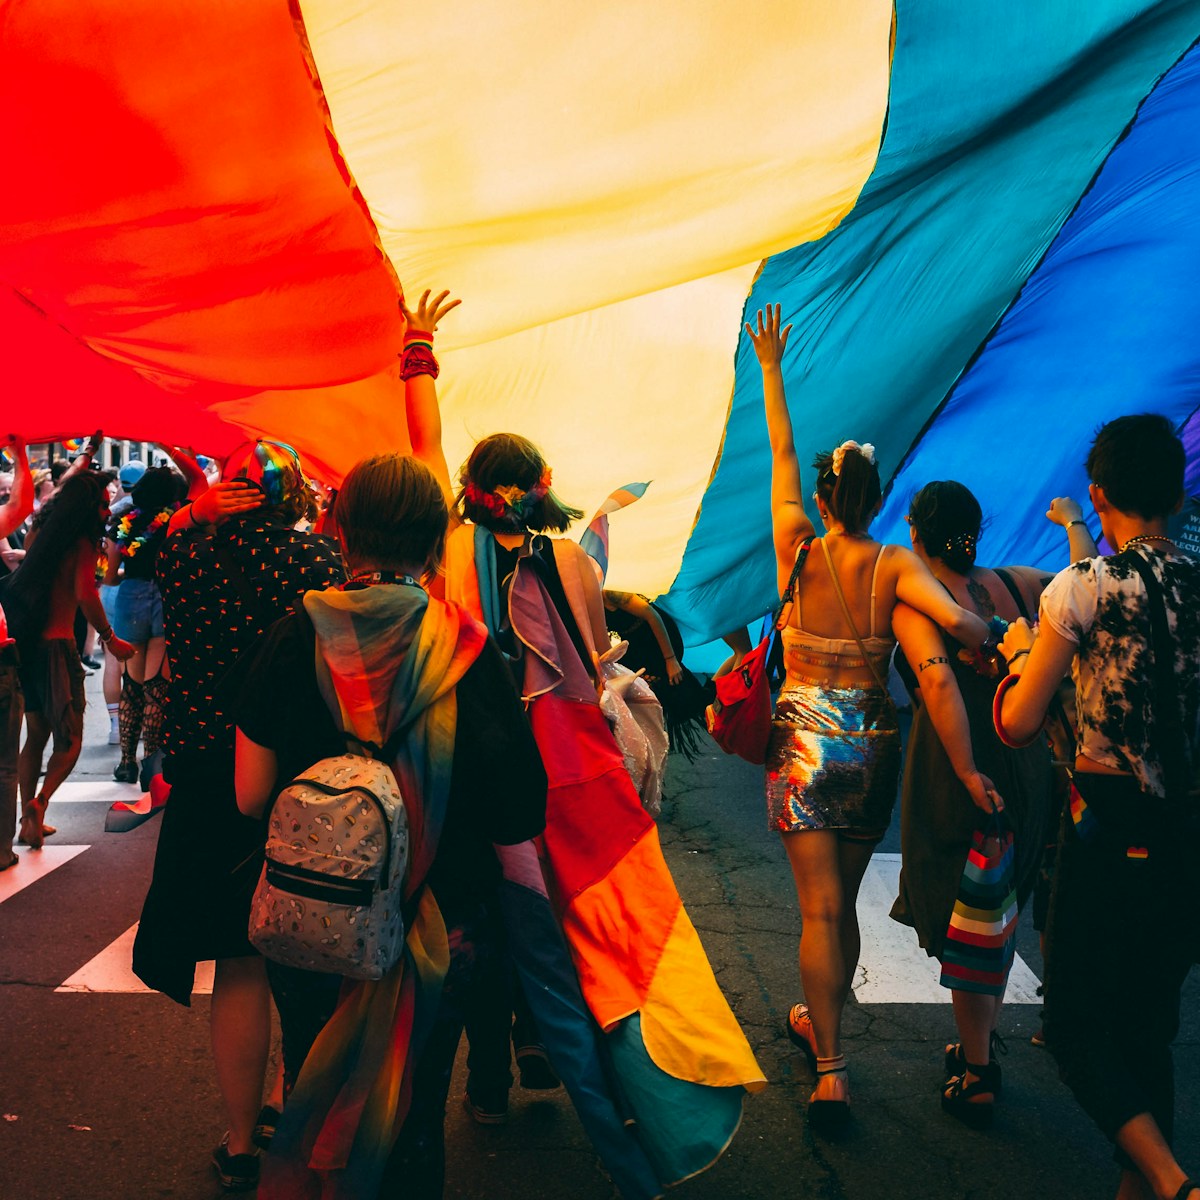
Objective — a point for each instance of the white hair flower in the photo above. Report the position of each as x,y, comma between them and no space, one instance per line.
866,450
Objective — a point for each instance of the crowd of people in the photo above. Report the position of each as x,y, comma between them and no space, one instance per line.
256,626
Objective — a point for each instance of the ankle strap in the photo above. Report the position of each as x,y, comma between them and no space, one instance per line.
830,1066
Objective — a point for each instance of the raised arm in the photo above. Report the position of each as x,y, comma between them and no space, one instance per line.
191,470
224,499
916,587
20,500
640,607
418,370
83,460
789,522
921,641
1066,512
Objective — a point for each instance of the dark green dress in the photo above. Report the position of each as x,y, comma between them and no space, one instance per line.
938,818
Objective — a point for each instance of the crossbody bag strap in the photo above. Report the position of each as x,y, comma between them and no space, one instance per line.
1173,739
1058,712
788,599
837,587
1014,591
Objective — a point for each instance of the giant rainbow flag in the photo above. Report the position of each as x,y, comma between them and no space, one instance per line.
981,220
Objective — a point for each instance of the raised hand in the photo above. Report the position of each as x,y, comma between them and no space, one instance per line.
1063,510
769,340
428,314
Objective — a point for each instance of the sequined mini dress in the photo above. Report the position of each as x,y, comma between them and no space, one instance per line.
833,759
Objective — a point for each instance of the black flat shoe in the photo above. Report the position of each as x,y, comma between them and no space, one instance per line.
126,772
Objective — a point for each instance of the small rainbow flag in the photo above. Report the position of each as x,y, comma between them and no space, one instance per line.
595,536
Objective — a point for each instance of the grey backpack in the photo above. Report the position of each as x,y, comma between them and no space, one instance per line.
330,896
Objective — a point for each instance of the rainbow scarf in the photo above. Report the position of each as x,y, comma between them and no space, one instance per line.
354,1091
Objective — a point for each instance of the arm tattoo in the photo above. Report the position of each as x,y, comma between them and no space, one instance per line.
930,662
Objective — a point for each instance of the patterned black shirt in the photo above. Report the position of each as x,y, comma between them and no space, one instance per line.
1100,604
210,620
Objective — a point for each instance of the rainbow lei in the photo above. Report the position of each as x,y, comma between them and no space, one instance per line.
127,543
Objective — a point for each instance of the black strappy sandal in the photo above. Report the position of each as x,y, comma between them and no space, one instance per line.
958,1096
956,1060
1185,1188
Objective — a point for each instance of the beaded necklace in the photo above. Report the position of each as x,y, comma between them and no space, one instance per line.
1140,538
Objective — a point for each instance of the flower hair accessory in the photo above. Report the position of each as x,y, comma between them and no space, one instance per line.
964,542
508,500
866,450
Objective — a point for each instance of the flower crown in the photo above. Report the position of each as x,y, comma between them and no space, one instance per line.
866,450
509,501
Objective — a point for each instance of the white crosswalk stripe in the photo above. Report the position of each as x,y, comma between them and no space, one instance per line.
90,791
34,865
892,968
111,971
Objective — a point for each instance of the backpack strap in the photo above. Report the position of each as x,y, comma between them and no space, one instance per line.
1173,740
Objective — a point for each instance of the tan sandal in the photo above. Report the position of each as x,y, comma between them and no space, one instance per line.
799,1028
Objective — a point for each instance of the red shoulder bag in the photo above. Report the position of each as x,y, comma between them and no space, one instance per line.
739,720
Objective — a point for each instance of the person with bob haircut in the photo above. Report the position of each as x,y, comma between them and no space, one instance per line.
1127,625
541,600
955,768
833,757
353,665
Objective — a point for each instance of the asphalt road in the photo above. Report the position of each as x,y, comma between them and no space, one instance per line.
110,1095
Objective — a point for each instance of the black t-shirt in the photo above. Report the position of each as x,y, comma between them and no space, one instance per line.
497,785
210,621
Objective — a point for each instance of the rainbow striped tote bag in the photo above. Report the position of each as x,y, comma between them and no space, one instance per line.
982,936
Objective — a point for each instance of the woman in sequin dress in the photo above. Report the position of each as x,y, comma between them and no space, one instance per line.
834,755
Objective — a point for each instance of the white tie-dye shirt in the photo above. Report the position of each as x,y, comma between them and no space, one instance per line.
1100,604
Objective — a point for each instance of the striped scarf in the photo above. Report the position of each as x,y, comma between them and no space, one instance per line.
386,657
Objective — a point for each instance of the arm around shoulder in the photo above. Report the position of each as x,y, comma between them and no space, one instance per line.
916,586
